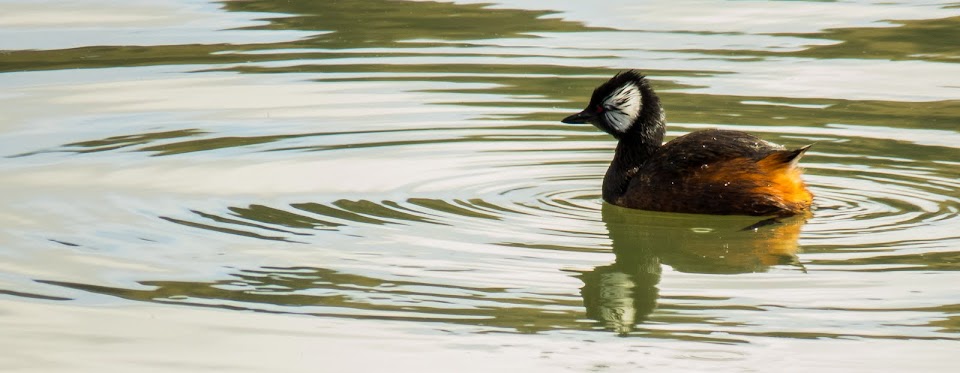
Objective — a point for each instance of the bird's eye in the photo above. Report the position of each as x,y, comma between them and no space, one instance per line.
599,108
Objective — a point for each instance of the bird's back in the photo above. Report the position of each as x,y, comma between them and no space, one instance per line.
719,172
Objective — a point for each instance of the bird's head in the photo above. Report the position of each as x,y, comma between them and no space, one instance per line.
620,105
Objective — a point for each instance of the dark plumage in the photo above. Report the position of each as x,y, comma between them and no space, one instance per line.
706,172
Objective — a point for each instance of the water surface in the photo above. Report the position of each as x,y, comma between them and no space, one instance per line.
386,185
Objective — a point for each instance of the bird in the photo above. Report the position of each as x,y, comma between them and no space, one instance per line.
710,171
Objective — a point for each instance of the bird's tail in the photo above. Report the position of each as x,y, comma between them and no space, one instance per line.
790,158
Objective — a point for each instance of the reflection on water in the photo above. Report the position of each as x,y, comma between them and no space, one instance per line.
623,293
334,26
402,163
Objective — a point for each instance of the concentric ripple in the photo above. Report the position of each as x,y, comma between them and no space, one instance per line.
861,200
884,207
496,194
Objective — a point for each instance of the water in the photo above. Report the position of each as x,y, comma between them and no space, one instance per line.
282,185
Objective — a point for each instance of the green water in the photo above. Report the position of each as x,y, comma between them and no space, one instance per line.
385,185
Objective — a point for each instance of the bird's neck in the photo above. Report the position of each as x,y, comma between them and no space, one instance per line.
633,149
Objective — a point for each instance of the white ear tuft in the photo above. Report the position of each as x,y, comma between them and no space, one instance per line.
622,107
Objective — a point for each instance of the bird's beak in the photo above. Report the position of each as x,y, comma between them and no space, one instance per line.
578,118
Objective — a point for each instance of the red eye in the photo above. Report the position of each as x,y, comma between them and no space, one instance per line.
599,109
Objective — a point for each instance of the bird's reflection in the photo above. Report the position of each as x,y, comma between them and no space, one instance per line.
622,294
